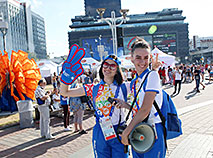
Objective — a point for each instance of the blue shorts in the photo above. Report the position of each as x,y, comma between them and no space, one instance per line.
158,150
54,85
106,149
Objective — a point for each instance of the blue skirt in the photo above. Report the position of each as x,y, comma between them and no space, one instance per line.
106,149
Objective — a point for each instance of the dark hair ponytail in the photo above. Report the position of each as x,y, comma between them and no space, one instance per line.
139,43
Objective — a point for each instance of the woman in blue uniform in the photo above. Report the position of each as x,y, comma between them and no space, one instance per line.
105,142
143,106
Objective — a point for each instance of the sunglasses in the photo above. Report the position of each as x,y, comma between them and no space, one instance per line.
110,66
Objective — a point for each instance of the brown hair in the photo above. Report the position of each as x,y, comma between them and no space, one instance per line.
139,43
118,76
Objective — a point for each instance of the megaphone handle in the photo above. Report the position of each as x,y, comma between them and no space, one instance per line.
125,148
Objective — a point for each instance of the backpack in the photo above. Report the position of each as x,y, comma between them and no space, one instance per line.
169,117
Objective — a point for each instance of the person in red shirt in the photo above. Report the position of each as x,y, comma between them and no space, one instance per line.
160,72
163,71
206,67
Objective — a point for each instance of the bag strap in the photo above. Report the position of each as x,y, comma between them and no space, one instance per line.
163,120
94,95
124,91
127,117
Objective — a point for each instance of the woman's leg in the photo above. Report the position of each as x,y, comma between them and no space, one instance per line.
65,115
68,115
80,118
117,149
175,87
179,86
197,85
101,148
75,121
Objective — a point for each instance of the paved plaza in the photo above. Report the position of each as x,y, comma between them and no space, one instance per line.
194,109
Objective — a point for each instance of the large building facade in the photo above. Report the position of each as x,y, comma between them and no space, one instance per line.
21,34
92,5
39,38
201,49
171,35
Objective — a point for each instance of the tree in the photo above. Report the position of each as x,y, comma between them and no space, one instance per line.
32,55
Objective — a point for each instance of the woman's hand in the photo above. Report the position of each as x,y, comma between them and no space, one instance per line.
121,104
155,63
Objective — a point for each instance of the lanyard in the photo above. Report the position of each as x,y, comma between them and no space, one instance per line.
136,102
98,112
116,95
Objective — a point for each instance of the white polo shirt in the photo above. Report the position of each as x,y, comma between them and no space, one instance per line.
151,84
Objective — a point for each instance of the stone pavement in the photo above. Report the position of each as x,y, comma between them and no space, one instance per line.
26,143
195,110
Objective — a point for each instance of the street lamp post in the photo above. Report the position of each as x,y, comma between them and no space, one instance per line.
3,29
101,49
113,23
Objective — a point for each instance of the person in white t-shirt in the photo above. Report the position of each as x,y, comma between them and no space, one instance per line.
56,99
177,74
143,109
125,75
129,75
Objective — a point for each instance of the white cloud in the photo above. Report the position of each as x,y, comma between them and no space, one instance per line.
57,48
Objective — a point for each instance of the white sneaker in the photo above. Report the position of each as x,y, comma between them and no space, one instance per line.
67,129
70,126
50,137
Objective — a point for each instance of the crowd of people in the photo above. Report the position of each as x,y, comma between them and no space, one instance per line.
185,74
51,101
111,83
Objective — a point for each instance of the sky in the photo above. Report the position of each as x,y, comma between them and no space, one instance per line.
58,14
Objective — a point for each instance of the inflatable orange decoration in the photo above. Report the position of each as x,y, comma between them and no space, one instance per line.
20,73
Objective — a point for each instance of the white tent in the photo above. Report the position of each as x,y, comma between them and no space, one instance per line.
126,62
167,60
91,61
47,67
87,63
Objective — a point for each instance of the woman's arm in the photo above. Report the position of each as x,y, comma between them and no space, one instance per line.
140,116
75,92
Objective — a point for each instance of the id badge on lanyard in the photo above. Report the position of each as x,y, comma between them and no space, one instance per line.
107,128
106,123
